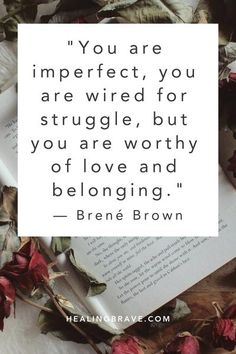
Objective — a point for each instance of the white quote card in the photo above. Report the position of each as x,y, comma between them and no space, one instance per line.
118,130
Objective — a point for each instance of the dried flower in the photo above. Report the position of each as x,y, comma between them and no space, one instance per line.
28,268
183,343
128,345
232,76
7,297
230,312
224,333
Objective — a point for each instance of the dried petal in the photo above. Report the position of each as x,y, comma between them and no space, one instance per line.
224,334
183,343
7,297
28,268
128,345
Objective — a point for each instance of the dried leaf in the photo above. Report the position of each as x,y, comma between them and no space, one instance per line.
62,17
60,244
151,11
18,11
9,202
116,5
64,303
2,33
224,36
108,20
10,28
227,55
70,11
57,326
6,256
9,242
36,294
230,52
8,65
93,286
203,13
181,310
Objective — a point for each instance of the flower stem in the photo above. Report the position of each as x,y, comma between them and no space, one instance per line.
63,313
32,303
217,308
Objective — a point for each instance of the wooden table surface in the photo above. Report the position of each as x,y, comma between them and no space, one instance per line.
220,286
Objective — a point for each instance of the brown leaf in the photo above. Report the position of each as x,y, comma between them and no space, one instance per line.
92,285
227,56
203,13
9,242
8,209
150,11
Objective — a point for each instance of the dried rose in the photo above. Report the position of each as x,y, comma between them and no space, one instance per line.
128,345
28,268
7,297
230,312
183,343
232,76
224,333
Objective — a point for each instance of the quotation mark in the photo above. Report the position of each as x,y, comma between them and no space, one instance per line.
179,185
70,42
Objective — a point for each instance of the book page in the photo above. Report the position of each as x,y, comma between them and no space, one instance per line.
8,137
154,269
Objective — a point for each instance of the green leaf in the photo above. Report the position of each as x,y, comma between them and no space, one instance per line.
56,325
60,244
151,11
92,285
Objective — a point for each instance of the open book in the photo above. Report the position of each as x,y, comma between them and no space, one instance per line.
143,274
8,137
